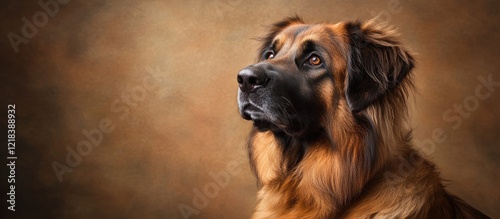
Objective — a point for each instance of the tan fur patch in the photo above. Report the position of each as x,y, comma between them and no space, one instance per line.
267,157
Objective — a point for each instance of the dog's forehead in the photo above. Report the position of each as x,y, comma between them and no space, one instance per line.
292,31
297,33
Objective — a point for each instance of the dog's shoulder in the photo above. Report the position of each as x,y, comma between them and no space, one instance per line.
410,187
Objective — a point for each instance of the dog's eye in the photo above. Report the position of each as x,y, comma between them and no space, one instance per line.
269,55
314,60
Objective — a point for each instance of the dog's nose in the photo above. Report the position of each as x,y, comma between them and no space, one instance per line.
250,80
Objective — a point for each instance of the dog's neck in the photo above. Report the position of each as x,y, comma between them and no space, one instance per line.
341,159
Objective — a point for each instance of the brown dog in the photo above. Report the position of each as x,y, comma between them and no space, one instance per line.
330,137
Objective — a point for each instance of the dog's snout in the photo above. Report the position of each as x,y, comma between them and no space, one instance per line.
250,80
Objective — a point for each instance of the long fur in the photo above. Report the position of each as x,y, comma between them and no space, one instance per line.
360,163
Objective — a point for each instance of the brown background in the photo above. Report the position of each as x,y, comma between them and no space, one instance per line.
67,78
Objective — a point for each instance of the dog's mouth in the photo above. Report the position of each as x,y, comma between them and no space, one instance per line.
259,118
262,125
264,121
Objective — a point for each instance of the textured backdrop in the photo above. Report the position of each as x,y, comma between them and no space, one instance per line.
127,109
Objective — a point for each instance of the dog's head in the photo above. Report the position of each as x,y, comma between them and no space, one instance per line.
305,73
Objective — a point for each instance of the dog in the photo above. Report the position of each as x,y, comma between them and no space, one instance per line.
331,135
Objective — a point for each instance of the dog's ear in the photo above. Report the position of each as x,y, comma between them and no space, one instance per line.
274,30
376,64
